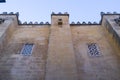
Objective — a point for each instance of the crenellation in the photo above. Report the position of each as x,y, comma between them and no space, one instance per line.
95,23
109,13
65,12
59,13
47,23
30,22
78,22
72,22
11,13
89,22
4,13
35,22
17,13
84,22
115,13
25,22
53,13
41,23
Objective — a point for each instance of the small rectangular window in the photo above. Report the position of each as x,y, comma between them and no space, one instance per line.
60,22
27,49
93,49
59,19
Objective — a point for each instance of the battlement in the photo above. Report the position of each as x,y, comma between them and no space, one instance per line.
35,23
84,23
109,13
59,14
11,13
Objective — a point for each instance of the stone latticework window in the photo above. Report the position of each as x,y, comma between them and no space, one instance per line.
93,49
117,20
2,20
27,49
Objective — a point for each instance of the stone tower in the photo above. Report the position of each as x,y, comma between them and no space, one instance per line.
61,59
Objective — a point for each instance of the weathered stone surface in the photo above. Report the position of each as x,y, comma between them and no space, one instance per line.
15,66
60,52
95,68
61,59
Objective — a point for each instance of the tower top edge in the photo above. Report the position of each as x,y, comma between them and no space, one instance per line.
10,13
59,14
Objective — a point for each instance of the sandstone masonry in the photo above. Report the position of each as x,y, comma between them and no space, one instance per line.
61,49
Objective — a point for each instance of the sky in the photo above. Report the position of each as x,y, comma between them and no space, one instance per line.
79,10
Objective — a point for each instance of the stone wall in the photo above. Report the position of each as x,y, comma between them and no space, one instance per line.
60,52
112,28
95,67
6,29
16,66
61,59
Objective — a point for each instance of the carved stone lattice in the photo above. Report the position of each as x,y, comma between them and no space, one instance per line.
117,20
27,49
93,49
2,20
